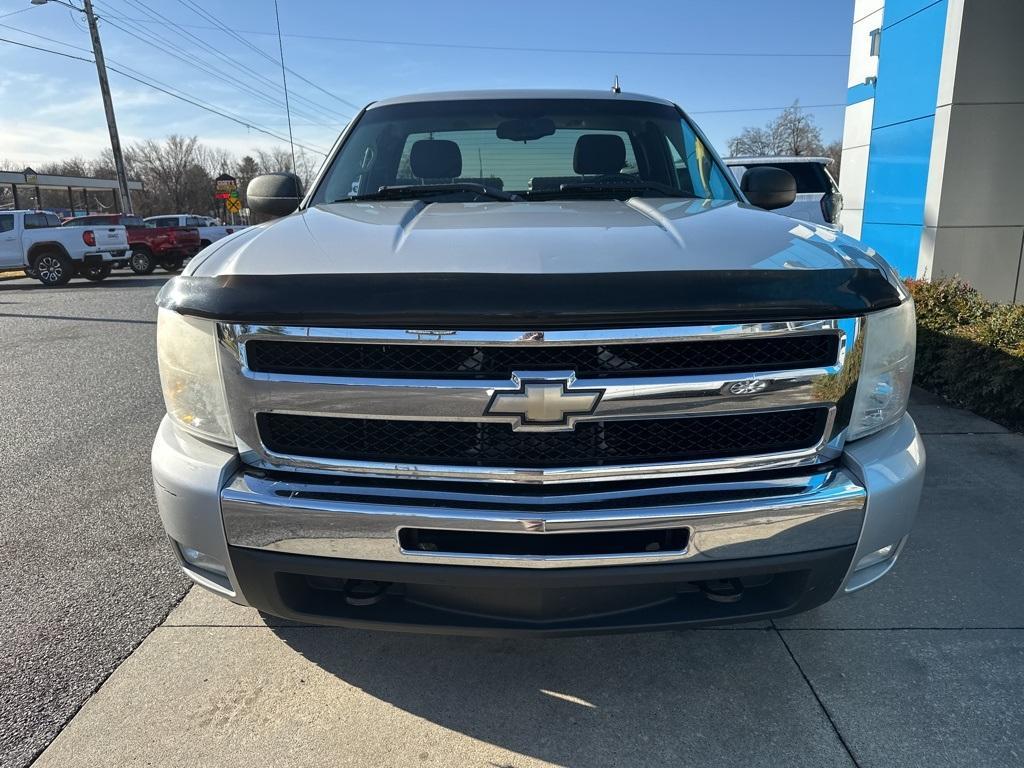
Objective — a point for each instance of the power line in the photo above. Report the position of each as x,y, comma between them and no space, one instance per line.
230,60
216,112
256,49
522,49
14,13
148,78
143,81
163,46
734,110
172,48
46,50
762,109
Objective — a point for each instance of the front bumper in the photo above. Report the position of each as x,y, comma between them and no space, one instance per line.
293,545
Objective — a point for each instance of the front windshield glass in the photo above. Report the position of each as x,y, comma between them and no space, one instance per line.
523,149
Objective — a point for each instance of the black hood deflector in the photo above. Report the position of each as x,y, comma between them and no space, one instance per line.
531,301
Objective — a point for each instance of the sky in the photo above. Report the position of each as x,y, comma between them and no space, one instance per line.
344,54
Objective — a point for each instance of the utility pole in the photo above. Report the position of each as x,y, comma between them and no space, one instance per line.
108,107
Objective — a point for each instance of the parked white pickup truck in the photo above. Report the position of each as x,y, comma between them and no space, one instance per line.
36,242
210,230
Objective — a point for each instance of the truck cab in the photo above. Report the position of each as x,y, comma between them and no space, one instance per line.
533,362
36,242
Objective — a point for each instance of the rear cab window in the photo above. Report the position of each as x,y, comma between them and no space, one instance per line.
41,220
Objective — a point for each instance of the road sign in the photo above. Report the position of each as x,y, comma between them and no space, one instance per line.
234,205
221,195
225,183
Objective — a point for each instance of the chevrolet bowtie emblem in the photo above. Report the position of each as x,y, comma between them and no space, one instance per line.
543,405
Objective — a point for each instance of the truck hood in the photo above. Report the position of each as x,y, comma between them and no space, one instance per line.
532,265
563,237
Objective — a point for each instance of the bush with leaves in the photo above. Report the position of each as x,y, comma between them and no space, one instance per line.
970,351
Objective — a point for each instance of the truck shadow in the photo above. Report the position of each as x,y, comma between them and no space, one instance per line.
680,697
114,281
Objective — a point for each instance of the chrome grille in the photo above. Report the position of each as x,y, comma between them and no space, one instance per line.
597,443
772,353
417,404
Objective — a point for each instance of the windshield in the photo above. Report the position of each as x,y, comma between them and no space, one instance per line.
523,149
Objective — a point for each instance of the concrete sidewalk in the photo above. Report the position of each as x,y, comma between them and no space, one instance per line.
924,668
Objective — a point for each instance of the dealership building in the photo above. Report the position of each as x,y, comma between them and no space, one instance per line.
933,144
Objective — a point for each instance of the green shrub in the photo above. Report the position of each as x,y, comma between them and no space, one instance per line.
970,351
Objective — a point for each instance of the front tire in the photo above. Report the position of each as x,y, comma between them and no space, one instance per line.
53,268
142,262
97,272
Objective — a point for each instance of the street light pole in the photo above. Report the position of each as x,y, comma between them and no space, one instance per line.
108,107
108,104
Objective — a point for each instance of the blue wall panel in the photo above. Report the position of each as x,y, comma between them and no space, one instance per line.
898,172
901,133
897,10
898,244
908,65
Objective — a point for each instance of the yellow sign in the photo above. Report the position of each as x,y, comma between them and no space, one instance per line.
234,205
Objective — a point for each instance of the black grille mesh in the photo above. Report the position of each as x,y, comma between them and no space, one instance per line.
496,445
588,361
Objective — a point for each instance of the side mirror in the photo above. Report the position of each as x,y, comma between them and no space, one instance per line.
274,194
768,187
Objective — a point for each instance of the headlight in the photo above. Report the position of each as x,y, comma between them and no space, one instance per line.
887,370
190,375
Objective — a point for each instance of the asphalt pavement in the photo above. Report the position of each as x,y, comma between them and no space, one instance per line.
84,570
924,668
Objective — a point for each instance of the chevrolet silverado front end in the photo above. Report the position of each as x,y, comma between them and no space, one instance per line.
589,388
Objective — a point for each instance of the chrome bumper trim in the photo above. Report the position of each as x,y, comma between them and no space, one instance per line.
309,517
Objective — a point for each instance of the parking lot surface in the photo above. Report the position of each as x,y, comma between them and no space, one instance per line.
84,572
925,668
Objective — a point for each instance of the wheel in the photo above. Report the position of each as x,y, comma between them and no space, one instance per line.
53,268
142,262
173,265
96,272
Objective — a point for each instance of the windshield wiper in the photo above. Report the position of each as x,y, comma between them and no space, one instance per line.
414,191
631,188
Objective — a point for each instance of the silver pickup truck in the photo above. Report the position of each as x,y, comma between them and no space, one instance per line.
533,362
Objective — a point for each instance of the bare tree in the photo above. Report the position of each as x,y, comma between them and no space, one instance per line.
215,160
245,171
75,166
834,150
177,173
175,178
752,142
279,160
791,133
795,133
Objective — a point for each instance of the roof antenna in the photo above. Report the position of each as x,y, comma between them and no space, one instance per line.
616,88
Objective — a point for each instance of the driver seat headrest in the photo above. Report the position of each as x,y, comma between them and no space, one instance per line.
601,153
435,159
